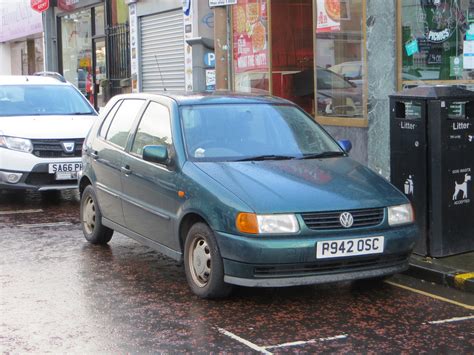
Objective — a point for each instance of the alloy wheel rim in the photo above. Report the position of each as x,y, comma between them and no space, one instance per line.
200,262
89,215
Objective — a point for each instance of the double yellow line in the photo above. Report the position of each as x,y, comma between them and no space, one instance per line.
432,295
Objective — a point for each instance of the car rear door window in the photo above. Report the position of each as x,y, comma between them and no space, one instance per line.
106,124
154,128
123,121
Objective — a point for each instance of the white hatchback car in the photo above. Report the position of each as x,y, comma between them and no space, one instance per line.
43,123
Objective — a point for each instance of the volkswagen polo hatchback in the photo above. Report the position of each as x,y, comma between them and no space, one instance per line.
245,190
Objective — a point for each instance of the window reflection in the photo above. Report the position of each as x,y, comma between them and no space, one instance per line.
340,58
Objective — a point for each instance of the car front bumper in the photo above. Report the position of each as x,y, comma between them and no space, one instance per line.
291,261
37,179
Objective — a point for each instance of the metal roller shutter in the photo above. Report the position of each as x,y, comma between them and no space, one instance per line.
162,49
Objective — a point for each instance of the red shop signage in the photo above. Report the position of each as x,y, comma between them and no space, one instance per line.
39,5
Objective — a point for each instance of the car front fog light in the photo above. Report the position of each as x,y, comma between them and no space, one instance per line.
401,214
9,177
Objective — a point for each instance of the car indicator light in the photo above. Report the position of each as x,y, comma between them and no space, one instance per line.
247,223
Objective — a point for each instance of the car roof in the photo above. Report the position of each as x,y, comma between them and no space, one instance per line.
208,98
29,80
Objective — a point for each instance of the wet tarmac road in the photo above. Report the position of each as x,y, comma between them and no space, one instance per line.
60,294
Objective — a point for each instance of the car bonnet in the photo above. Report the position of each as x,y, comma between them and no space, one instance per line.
304,185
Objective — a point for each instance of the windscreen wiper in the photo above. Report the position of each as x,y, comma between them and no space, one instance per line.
328,154
267,157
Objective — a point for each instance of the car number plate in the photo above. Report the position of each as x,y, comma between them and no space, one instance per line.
65,171
349,247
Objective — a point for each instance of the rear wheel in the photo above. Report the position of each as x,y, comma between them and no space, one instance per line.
203,263
91,219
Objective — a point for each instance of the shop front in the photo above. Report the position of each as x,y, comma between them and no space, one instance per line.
21,39
340,59
94,47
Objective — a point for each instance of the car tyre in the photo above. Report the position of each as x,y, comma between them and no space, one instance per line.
203,263
91,219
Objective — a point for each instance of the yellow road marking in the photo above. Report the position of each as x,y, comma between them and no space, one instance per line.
431,295
460,279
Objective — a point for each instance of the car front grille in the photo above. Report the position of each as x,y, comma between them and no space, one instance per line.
52,148
330,220
289,270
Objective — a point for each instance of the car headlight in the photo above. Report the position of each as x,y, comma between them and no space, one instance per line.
267,223
401,214
13,143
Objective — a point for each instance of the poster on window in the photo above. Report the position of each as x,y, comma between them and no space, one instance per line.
250,35
328,16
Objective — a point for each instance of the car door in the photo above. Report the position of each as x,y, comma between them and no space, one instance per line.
107,154
150,193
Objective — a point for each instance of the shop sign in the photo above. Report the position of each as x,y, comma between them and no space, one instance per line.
250,36
328,16
210,59
470,32
70,5
213,3
455,66
39,5
412,47
439,36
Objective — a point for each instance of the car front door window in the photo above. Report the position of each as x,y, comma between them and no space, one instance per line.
154,128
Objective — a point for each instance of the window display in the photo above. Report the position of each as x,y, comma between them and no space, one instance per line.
437,40
250,46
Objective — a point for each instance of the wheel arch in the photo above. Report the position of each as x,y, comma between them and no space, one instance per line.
83,183
188,220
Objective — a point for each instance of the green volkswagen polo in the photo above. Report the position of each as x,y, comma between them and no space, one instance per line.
244,190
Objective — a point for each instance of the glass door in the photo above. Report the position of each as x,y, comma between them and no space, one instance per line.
101,84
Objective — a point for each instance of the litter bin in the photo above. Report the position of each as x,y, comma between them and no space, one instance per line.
432,162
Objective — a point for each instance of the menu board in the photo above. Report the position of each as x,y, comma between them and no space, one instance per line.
250,35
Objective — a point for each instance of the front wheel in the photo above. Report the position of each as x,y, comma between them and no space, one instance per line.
203,263
91,219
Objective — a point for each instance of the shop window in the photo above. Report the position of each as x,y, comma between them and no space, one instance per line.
119,12
251,59
340,73
436,42
76,44
99,20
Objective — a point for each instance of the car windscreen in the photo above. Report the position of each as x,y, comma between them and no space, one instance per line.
232,132
39,100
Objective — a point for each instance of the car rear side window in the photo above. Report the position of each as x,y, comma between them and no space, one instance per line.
106,124
154,128
123,121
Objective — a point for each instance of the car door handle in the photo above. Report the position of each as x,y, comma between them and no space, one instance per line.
94,154
126,170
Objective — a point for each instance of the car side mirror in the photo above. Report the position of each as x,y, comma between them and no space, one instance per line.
155,154
345,144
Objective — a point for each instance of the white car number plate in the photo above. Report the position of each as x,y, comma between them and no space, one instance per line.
65,171
349,247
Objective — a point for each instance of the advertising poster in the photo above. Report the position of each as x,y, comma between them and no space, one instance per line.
328,16
250,36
